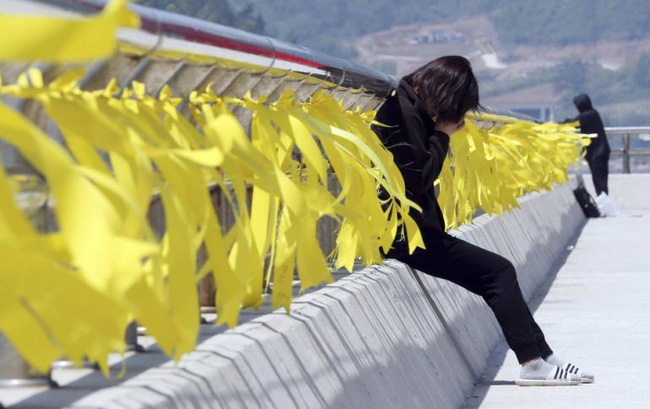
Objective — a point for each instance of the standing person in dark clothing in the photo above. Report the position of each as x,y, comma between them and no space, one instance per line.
427,108
598,151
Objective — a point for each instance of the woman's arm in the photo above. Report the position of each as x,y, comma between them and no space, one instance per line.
418,155
569,120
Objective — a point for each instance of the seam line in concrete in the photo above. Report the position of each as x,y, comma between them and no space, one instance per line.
443,321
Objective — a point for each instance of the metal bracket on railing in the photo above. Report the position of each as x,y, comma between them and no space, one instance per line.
275,55
157,32
345,67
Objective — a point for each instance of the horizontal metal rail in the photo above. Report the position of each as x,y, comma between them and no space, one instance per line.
208,39
189,39
626,153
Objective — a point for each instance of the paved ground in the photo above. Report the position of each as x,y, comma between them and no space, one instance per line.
597,314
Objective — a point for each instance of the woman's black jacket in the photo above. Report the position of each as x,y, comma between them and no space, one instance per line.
418,150
591,123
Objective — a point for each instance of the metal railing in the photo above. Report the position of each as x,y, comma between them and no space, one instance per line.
626,152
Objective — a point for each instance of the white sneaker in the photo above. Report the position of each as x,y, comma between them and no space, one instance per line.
606,206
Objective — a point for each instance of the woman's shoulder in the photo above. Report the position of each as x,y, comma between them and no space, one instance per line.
390,106
397,109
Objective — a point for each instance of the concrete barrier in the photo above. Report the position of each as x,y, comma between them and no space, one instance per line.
383,337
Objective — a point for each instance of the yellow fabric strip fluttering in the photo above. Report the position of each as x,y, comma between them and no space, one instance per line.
292,152
72,291
63,39
276,182
119,151
490,167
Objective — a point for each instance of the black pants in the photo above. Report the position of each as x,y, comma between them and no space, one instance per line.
599,171
487,275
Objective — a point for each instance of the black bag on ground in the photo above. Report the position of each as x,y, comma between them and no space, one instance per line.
586,202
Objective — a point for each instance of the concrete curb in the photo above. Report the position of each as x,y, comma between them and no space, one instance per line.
373,339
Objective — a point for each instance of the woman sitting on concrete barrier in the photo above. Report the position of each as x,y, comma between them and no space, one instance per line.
426,109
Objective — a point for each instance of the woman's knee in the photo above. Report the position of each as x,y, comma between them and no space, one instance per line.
505,276
500,283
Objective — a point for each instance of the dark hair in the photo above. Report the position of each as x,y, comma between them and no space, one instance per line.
447,86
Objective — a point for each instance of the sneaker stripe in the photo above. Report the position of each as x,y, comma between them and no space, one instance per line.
557,370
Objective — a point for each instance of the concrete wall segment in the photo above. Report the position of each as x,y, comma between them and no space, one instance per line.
373,339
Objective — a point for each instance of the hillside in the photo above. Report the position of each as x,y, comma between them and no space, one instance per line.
544,52
216,11
329,26
615,73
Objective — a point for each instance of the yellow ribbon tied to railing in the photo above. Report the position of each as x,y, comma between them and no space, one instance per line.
65,38
107,248
489,167
72,291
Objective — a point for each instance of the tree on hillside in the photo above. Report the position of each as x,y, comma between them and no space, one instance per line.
642,71
570,77
561,22
216,11
330,26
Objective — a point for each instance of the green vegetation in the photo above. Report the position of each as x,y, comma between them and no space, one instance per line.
561,22
328,26
216,11
604,86
323,26
331,26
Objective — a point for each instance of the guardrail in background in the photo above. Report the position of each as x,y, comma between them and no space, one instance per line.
626,153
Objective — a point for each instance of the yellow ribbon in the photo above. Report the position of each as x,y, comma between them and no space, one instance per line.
59,39
73,291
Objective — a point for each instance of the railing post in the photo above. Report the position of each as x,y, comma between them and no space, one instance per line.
131,338
15,372
626,153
